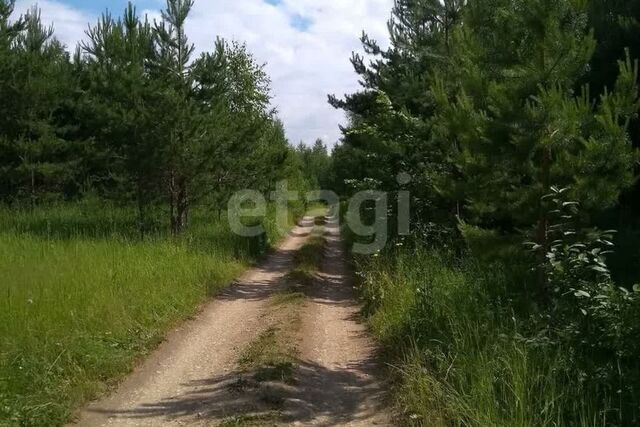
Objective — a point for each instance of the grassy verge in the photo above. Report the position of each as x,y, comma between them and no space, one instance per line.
461,358
84,297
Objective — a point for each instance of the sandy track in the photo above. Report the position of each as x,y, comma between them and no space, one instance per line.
182,382
192,378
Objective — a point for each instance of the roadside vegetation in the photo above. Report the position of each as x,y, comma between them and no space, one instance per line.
512,301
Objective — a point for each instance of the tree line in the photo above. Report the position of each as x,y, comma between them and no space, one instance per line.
134,115
518,123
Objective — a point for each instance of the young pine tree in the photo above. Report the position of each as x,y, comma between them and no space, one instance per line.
515,125
390,120
9,31
120,108
37,162
182,144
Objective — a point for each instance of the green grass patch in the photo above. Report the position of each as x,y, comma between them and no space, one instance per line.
461,358
294,295
269,350
256,420
309,257
318,211
84,297
272,356
307,262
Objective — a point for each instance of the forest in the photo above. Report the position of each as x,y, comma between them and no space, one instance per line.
514,298
134,117
514,301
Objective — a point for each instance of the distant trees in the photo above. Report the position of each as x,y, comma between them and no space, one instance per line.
134,116
316,164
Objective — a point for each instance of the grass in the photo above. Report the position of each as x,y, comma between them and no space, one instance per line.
307,260
84,298
461,359
260,420
271,356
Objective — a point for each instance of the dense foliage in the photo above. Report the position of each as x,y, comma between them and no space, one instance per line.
517,121
133,116
316,164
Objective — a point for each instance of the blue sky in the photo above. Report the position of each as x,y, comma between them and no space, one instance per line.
305,44
296,20
98,6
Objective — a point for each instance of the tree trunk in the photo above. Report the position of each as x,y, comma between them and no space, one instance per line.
179,206
183,208
542,233
141,213
173,204
33,189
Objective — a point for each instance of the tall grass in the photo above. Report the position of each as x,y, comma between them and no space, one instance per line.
463,359
83,297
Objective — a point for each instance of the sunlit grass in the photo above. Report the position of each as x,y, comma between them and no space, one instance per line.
83,297
460,359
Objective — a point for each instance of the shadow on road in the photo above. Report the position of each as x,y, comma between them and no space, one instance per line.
215,399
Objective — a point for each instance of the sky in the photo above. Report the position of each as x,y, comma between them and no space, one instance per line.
305,44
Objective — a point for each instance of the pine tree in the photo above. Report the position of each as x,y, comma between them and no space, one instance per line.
390,120
513,123
616,25
120,108
182,148
36,161
9,31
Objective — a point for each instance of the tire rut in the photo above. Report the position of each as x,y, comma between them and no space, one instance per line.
338,385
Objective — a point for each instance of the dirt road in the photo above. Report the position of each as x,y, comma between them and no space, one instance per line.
336,377
194,377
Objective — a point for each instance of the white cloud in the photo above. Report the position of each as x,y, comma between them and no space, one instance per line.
305,66
70,24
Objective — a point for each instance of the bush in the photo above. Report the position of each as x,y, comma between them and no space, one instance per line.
470,354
